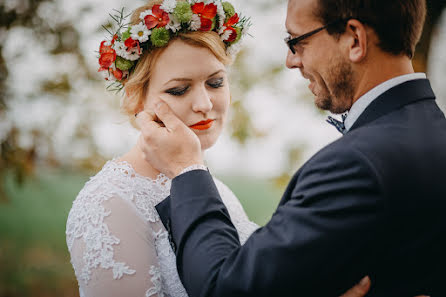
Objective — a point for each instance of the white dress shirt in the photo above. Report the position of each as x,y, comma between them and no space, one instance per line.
361,104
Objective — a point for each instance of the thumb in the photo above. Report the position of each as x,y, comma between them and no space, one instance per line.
360,289
166,115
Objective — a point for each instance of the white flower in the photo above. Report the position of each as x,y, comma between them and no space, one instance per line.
195,23
143,14
133,54
226,34
221,14
120,48
174,25
169,5
140,32
234,49
107,75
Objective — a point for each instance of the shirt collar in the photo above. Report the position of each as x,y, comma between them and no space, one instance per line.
361,104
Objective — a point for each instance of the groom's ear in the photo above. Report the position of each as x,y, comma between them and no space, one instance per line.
356,38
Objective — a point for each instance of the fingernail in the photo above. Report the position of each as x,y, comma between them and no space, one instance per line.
364,281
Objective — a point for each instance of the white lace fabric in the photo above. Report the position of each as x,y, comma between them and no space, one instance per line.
117,242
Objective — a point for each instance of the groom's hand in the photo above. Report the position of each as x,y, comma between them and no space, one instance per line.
169,146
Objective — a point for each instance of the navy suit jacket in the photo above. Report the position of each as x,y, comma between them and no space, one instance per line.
371,203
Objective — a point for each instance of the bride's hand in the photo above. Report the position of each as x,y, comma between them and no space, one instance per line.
169,146
361,289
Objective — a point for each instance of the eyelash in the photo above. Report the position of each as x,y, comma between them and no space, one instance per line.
177,91
182,91
217,84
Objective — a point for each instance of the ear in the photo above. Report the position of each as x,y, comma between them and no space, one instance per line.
356,32
136,108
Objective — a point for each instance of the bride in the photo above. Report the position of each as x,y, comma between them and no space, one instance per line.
176,52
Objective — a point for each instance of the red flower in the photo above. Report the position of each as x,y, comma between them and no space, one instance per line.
103,49
130,43
118,74
232,21
107,56
114,39
206,14
160,18
233,35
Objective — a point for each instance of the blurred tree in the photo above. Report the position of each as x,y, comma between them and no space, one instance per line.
434,10
59,37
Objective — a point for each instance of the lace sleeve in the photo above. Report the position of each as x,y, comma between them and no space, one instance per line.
245,227
112,250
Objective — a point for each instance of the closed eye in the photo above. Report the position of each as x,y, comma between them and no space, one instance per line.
215,83
179,91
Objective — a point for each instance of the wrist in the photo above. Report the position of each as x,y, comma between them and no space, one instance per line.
197,166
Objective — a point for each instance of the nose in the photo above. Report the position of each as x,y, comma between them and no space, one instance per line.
202,101
293,60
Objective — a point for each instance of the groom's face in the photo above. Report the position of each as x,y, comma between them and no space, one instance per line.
320,58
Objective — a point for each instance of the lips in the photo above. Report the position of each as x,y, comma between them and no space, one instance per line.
203,125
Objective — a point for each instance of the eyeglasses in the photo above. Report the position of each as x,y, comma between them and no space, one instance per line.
292,42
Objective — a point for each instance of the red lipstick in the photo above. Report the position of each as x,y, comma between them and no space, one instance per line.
203,125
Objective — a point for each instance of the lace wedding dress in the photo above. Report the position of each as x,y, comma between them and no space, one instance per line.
118,245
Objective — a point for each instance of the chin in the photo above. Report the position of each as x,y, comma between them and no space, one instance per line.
323,103
207,140
207,143
209,137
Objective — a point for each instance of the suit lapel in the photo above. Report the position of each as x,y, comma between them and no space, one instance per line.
395,98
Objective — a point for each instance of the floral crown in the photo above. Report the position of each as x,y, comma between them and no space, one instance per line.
119,55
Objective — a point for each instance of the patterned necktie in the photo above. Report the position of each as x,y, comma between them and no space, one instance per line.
340,126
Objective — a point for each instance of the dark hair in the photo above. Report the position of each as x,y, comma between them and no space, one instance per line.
397,23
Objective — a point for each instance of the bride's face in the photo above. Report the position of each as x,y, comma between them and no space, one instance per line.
194,83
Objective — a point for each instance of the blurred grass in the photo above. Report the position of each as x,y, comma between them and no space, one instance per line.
34,260
259,197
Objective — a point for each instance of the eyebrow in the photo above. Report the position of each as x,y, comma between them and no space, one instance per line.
188,79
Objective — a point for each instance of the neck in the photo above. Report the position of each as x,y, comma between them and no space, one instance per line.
139,164
376,73
135,158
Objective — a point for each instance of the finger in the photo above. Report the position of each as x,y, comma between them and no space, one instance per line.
360,289
166,115
141,144
146,120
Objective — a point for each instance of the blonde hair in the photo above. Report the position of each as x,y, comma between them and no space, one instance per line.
138,83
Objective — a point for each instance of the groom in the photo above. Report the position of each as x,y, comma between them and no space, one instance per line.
371,203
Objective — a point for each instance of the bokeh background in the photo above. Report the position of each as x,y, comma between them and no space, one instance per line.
58,125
